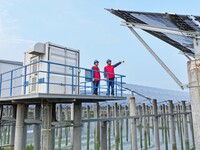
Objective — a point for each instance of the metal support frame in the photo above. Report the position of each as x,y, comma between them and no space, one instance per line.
157,58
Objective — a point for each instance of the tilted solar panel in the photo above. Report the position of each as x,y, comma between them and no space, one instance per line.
165,20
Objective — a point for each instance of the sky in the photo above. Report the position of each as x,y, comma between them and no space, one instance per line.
86,25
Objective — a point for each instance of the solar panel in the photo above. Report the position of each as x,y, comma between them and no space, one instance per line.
165,20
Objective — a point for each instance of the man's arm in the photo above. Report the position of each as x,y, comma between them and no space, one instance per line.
117,64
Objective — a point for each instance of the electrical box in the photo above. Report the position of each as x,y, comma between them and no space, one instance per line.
60,76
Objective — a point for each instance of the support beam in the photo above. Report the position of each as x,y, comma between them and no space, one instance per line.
47,131
133,124
172,125
19,129
37,133
194,86
77,126
156,130
157,58
103,143
12,129
185,126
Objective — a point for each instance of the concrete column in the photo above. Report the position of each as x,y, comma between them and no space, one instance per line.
145,126
47,128
77,126
172,125
194,86
20,127
88,128
12,129
103,141
156,130
37,128
97,127
66,129
59,113
185,126
116,127
133,124
109,127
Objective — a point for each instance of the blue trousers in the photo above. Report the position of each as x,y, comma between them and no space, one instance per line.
110,84
95,87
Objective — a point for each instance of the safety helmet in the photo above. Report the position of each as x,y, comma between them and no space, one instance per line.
96,61
108,60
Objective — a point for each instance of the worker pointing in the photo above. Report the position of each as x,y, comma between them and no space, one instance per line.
109,74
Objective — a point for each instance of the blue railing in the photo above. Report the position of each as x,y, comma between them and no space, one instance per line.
53,78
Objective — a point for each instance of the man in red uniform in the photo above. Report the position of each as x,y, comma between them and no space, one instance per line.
96,77
109,74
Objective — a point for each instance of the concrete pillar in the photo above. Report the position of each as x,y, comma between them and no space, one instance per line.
172,125
191,127
194,86
12,129
185,126
133,124
109,127
59,113
77,126
145,126
66,129
156,130
97,127
116,127
103,141
20,127
47,128
37,129
88,128
126,115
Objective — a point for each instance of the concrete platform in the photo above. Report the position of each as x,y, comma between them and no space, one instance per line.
57,98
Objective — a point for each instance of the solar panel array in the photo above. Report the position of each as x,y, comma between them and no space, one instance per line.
165,20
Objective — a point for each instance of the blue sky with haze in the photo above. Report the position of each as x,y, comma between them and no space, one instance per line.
85,25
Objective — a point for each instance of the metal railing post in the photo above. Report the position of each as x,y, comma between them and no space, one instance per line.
115,86
121,86
48,76
85,88
25,71
11,83
0,84
72,80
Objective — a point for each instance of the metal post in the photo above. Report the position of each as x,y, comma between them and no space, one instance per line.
77,126
156,57
133,124
11,83
0,84
72,80
103,140
47,130
186,137
48,76
37,133
25,71
172,125
19,129
156,130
